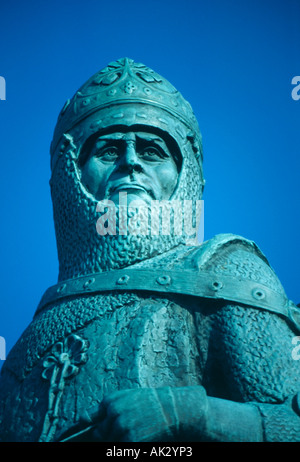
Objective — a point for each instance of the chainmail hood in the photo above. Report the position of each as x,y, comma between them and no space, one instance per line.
124,94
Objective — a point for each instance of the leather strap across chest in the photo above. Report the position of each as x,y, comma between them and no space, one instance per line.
198,284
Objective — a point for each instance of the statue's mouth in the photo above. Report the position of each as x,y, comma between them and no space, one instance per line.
127,187
130,188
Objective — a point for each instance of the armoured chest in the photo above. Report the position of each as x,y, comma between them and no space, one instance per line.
101,344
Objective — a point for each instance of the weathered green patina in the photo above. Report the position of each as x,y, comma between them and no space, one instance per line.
147,337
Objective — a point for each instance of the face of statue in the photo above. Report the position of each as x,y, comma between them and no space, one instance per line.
136,162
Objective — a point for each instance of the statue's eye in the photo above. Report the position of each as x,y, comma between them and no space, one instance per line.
109,154
151,153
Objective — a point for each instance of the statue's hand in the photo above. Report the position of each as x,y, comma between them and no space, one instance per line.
148,414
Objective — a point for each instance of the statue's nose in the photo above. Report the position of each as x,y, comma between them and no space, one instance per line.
130,160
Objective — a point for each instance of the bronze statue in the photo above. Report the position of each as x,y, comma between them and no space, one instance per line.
147,336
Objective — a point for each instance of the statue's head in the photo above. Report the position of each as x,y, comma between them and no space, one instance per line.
125,130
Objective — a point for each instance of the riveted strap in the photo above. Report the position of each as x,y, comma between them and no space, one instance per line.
198,284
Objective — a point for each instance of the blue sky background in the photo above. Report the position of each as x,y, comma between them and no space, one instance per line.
233,60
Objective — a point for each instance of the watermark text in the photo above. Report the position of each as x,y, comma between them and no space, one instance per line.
167,218
2,88
2,349
296,89
296,350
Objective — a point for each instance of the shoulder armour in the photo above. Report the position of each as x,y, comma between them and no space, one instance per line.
239,262
232,255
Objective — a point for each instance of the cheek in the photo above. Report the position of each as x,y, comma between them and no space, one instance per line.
93,176
168,176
